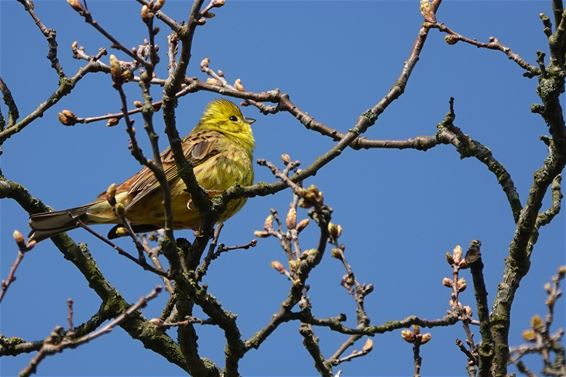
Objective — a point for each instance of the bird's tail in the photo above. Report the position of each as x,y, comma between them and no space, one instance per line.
47,224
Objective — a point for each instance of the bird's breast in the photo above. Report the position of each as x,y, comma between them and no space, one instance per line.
225,170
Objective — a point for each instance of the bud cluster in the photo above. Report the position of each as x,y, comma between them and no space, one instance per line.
119,72
311,197
334,232
538,327
414,336
460,284
148,10
456,259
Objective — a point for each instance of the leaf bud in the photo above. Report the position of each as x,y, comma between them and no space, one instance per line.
457,254
204,64
218,3
268,223
426,337
311,196
18,237
337,253
278,266
447,282
115,68
138,104
127,75
239,86
335,231
291,219
212,81
309,253
451,39
529,335
67,118
285,158
76,5
294,264
461,285
536,323
408,336
261,234
146,13
112,122
368,346
302,224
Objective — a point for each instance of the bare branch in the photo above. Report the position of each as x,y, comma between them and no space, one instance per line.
65,87
23,248
13,113
87,16
310,342
51,347
121,251
49,34
485,350
453,37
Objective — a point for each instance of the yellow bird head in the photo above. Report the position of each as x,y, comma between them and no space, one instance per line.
224,116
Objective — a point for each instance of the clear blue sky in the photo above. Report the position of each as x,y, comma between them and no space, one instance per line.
401,210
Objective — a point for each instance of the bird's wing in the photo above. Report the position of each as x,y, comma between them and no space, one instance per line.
197,148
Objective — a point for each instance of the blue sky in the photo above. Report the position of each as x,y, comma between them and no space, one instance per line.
401,210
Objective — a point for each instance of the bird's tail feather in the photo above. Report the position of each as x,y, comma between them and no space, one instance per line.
47,224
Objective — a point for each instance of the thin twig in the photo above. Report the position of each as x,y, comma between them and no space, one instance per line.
13,113
493,44
141,262
23,248
51,348
49,34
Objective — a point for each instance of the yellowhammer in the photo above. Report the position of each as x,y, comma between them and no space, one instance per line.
220,148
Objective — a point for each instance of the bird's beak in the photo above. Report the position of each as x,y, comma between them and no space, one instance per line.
250,121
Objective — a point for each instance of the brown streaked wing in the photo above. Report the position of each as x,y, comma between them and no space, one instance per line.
197,148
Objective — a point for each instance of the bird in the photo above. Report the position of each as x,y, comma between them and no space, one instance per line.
220,148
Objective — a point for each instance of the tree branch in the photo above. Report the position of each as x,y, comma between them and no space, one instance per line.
49,34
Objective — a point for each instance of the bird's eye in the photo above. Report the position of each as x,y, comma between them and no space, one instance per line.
233,118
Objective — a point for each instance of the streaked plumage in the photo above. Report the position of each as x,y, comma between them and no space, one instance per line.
220,148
